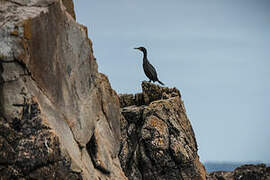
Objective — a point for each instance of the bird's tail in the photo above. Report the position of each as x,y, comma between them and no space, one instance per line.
160,82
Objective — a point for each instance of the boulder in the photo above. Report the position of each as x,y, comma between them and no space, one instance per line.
244,172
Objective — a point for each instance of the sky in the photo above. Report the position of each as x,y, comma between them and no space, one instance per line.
216,52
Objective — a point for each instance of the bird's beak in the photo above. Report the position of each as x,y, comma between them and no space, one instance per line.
136,48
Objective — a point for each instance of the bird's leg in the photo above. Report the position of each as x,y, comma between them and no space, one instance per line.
149,80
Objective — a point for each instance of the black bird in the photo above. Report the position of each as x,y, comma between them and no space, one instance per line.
149,70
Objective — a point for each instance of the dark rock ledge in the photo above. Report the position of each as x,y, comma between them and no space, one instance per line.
245,172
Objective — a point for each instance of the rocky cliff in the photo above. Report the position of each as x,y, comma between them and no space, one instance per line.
157,140
60,118
245,172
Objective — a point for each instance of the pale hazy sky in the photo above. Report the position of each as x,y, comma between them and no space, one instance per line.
217,52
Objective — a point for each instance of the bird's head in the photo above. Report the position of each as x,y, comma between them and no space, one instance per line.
141,49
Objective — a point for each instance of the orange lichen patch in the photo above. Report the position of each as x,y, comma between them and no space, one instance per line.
14,33
159,142
159,125
27,29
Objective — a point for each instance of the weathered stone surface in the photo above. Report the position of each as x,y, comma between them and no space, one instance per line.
130,99
245,172
59,117
37,3
153,92
30,148
158,141
70,7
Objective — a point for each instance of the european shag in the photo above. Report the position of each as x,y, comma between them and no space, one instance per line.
149,70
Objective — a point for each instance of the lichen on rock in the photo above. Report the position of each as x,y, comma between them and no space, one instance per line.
60,118
158,141
244,172
53,100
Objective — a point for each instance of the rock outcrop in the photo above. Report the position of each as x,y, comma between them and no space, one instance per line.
245,172
157,140
59,117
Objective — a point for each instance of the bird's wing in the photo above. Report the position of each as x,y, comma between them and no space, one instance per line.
152,71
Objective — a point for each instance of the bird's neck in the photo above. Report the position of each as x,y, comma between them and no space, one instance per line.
145,57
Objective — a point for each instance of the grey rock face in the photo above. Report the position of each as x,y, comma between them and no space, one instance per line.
59,117
158,141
